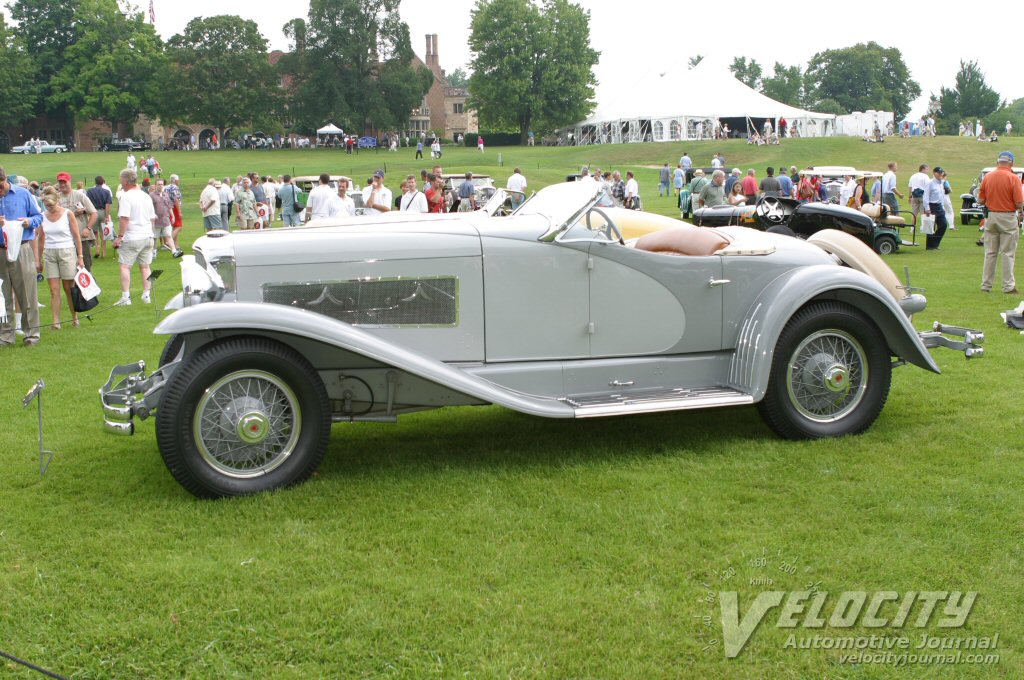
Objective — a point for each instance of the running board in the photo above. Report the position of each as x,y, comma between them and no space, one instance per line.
655,400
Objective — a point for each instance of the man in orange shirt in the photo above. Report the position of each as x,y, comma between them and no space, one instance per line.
1001,195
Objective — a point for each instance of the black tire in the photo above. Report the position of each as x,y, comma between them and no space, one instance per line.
830,375
243,416
172,349
885,245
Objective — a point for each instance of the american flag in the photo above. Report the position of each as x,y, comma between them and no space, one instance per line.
152,13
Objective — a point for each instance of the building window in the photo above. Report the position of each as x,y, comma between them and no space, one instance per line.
457,107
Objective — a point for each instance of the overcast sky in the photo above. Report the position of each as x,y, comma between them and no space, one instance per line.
658,34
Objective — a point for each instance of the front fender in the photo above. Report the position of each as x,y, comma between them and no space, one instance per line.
255,318
755,346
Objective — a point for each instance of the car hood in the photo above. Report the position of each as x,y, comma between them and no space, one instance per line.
392,236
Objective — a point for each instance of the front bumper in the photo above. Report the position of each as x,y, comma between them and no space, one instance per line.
129,394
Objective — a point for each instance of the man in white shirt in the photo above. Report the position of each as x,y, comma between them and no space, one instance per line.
413,200
134,240
889,190
319,201
270,191
377,197
918,183
632,192
716,162
342,205
209,204
517,182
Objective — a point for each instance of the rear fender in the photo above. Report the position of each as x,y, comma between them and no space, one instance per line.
755,346
207,322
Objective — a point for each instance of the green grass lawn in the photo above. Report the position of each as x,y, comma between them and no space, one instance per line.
482,543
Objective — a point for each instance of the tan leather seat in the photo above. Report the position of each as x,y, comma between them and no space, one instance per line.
894,221
692,241
872,210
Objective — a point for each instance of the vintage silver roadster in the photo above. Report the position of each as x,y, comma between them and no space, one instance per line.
562,309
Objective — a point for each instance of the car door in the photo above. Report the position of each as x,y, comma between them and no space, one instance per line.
644,303
537,298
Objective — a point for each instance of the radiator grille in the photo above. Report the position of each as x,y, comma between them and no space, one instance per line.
429,301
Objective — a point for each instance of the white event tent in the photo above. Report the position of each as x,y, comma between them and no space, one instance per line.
330,129
687,105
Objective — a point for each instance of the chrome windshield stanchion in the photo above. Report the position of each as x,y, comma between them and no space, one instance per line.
970,345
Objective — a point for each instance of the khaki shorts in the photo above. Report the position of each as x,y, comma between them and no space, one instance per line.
162,232
132,252
60,263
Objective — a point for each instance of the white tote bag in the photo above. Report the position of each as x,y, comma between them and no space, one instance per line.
87,284
12,235
928,224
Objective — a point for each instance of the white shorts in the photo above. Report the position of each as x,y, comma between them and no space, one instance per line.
136,252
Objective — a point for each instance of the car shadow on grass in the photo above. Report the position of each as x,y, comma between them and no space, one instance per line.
492,437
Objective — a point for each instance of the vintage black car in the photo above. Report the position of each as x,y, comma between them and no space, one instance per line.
125,144
871,224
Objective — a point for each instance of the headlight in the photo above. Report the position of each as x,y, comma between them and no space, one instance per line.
224,266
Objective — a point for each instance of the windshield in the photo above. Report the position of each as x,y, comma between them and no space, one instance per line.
562,203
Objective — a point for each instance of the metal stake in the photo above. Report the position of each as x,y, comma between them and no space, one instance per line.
36,392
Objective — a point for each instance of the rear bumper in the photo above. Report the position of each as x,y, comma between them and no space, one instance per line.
970,345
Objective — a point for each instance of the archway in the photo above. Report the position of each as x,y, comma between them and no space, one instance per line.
181,140
206,138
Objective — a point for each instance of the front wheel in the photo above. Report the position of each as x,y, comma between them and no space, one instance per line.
243,416
58,150
830,374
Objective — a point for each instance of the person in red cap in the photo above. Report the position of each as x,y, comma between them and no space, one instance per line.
84,212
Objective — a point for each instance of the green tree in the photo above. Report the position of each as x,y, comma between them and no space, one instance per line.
864,76
693,61
1012,113
46,29
533,67
111,71
17,80
970,98
748,73
458,77
353,65
220,74
786,84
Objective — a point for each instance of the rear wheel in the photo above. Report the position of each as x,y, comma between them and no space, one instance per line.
243,416
830,374
885,245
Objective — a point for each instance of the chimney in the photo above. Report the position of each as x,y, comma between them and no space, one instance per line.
430,49
437,58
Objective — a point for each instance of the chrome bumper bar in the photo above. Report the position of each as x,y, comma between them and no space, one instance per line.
970,345
129,394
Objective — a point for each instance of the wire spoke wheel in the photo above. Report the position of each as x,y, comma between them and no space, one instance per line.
830,373
827,375
242,416
247,423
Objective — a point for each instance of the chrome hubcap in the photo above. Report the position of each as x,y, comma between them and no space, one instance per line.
247,424
253,428
827,375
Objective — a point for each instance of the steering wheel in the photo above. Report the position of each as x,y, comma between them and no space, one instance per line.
610,230
770,209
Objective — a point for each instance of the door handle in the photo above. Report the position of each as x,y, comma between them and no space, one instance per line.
713,282
622,383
